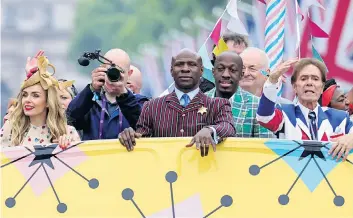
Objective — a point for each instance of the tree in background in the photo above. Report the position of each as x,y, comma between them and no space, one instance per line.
128,23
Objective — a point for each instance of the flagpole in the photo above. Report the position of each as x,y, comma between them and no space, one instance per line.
298,28
311,35
295,100
209,35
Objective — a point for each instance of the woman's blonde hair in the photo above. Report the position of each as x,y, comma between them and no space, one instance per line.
56,119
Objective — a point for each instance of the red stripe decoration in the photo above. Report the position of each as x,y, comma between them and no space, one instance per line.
276,121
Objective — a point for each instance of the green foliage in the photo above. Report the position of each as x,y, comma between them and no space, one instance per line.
127,23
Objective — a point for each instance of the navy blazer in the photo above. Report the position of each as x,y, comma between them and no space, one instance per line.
84,114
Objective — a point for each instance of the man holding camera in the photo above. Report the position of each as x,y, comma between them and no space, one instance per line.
104,108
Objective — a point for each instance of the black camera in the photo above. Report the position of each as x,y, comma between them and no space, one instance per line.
113,72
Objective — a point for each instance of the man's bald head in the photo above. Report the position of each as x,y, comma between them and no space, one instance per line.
227,72
233,56
186,69
255,66
258,55
185,52
135,80
119,57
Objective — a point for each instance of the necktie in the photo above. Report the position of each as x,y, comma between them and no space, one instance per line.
312,125
186,100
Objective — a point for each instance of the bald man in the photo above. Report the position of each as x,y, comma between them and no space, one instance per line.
227,72
256,65
134,83
104,108
236,43
186,112
256,68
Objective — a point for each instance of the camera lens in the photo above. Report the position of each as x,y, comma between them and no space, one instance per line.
113,74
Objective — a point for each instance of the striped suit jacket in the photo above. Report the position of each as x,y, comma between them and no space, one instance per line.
165,117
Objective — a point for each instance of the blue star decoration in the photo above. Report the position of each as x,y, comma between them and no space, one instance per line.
309,159
312,149
171,177
43,156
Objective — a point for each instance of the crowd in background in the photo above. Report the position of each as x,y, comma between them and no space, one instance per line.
244,101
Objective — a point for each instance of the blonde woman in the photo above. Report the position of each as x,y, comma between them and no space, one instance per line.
38,118
66,92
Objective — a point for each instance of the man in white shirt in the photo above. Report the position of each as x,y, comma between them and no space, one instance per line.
306,120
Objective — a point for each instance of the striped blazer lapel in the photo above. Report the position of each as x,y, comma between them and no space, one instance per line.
196,103
173,102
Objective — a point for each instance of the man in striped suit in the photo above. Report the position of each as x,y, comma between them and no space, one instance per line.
186,111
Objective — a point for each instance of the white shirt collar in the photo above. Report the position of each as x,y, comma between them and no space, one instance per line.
191,94
306,111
